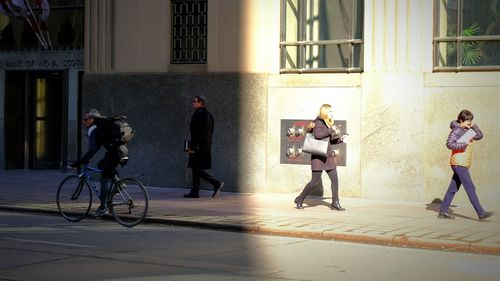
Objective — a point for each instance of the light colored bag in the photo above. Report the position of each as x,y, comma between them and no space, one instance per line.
314,146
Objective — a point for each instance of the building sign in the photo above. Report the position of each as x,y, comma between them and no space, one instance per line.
292,140
41,60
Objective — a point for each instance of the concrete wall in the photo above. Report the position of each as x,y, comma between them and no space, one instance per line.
159,108
392,126
300,97
128,36
398,111
137,44
398,125
445,95
405,123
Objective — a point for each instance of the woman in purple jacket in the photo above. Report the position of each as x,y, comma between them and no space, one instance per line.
460,161
323,128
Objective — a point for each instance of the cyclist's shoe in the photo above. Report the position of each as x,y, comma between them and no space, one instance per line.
102,211
191,195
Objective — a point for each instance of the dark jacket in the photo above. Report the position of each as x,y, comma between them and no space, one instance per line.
321,131
95,137
94,145
202,129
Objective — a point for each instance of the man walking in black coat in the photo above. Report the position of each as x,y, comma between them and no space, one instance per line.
200,148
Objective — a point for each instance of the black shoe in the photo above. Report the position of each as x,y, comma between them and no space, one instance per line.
101,211
445,215
191,195
217,188
336,206
298,202
486,215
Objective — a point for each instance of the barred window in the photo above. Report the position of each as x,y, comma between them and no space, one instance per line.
321,36
466,35
189,31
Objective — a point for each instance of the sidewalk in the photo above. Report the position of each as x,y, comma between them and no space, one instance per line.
365,221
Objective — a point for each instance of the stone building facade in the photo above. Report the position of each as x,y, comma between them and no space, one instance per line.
389,68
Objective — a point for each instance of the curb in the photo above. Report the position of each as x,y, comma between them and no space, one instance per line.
395,241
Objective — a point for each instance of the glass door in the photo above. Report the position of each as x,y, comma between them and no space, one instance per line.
46,121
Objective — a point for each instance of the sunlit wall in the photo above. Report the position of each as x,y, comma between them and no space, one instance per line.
398,111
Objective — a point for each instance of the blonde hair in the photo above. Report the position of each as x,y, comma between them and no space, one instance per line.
324,111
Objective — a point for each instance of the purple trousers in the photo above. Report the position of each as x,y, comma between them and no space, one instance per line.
461,176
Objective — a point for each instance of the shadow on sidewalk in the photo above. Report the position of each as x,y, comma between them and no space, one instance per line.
435,205
315,202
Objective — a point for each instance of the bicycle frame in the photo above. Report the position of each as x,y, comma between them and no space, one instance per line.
119,188
127,198
85,175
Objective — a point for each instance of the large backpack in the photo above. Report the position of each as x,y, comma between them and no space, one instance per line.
115,130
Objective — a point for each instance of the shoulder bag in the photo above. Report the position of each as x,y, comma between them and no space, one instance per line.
314,146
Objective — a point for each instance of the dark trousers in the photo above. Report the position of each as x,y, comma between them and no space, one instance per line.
461,176
316,178
201,173
108,166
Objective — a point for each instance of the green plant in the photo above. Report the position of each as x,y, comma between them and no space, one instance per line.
471,53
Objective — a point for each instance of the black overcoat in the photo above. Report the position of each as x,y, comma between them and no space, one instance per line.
321,131
202,129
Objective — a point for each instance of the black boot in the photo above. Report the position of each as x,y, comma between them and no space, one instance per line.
298,202
336,206
191,195
194,193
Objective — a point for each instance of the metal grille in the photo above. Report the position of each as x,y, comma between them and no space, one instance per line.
189,31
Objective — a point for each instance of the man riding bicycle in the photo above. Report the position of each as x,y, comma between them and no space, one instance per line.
111,159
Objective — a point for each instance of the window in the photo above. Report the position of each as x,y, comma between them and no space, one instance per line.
64,27
321,36
466,35
189,32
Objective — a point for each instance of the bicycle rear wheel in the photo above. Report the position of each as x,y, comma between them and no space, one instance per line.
74,198
129,203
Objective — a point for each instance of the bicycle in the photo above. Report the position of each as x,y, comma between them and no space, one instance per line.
128,199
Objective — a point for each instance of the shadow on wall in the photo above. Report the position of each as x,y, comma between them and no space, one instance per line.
159,108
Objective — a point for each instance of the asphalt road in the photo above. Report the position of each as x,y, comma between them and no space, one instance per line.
43,247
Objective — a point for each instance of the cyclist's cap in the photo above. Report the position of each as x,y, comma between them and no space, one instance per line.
92,113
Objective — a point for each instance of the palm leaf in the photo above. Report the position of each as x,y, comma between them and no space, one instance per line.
471,52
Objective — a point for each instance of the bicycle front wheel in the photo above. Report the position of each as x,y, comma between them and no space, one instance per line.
129,202
74,198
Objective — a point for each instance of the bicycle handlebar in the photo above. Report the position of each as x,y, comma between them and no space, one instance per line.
86,167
